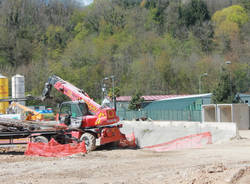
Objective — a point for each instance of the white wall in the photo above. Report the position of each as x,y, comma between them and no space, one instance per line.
150,133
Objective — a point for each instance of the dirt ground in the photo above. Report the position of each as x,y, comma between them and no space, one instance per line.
214,164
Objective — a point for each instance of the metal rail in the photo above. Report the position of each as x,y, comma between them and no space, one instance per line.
13,138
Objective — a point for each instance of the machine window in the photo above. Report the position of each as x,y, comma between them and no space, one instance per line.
65,109
84,109
76,112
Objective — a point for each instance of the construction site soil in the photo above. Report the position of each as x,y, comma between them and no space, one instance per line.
228,162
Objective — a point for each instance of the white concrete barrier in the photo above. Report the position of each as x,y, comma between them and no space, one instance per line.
149,133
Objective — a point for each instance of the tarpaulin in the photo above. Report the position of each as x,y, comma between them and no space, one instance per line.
191,141
54,149
128,141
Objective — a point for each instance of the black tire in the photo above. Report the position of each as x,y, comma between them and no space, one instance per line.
90,141
40,139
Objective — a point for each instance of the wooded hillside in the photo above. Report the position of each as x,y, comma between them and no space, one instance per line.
151,46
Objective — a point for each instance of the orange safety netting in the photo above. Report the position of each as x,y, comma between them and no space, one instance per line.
191,141
128,141
54,149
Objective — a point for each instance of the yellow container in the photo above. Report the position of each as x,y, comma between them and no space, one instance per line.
4,93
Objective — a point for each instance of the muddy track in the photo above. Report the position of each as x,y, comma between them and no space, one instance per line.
226,163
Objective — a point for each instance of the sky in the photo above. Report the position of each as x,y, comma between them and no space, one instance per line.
86,2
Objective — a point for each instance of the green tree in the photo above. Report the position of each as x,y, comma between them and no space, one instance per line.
157,12
153,46
242,77
245,4
116,92
136,102
229,20
194,13
235,13
225,92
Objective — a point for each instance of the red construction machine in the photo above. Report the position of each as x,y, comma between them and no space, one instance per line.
95,124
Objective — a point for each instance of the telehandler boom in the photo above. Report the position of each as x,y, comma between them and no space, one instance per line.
96,124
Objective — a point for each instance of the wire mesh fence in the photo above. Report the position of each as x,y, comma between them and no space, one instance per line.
169,115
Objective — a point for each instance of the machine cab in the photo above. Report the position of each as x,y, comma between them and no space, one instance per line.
72,112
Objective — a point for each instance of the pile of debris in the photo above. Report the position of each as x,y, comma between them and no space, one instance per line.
12,125
45,139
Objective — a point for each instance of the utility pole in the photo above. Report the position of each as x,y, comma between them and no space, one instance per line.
112,77
230,80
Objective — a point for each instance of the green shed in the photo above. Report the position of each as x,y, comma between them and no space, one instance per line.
189,102
178,108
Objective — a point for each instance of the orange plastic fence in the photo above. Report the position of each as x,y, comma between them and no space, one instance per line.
128,141
54,149
191,141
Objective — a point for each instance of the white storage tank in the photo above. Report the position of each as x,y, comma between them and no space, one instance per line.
18,87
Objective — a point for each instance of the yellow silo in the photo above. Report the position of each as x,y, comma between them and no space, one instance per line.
4,93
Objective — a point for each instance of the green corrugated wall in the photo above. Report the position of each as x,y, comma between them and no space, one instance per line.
182,109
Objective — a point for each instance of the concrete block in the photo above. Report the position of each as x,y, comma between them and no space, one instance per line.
249,115
238,113
225,113
209,113
149,133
